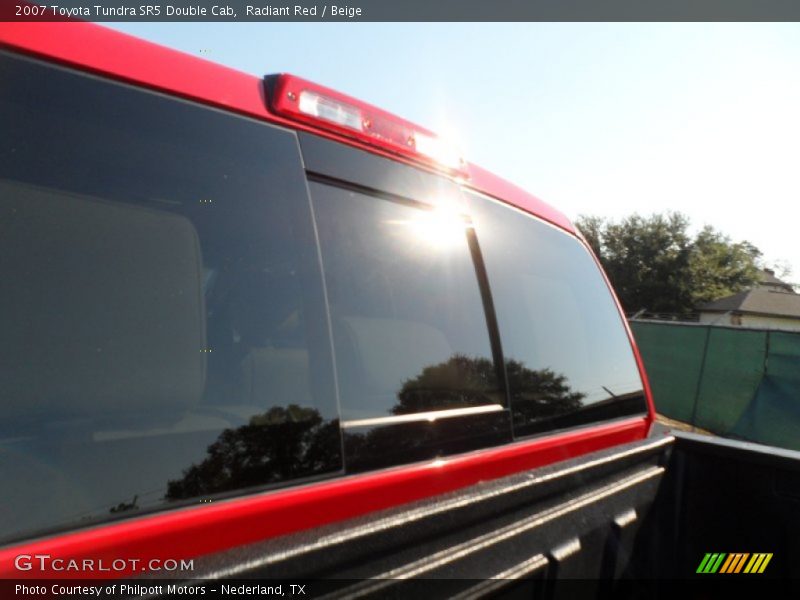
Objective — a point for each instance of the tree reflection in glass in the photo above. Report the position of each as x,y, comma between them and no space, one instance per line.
290,442
279,445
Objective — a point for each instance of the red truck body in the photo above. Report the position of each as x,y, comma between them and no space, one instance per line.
202,529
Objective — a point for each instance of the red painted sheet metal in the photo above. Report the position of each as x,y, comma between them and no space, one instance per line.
195,531
104,51
651,406
488,183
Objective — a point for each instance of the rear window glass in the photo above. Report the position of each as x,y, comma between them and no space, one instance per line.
415,364
181,322
164,336
567,355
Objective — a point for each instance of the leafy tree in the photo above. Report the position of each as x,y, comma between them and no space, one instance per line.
282,443
539,394
719,267
461,382
288,442
656,265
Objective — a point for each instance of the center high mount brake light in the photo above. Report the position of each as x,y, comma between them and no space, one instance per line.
320,107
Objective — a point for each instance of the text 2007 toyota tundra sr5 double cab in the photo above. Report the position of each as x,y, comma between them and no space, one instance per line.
255,329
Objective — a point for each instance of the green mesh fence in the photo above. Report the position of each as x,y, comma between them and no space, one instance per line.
742,383
674,376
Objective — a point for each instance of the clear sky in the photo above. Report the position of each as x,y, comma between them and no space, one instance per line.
604,119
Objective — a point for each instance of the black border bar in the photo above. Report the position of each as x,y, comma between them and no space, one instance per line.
401,10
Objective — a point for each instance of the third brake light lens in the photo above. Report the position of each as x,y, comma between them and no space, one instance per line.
326,109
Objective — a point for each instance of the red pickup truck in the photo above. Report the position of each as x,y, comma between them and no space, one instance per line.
256,328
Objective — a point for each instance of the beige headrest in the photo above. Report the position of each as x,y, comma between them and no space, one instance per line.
101,309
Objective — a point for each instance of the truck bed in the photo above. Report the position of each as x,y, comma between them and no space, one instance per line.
604,524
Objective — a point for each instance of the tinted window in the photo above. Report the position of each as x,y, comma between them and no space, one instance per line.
414,360
164,332
568,358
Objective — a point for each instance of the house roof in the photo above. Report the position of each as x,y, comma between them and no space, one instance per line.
767,279
773,302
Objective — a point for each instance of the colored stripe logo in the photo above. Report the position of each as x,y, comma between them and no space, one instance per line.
736,562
